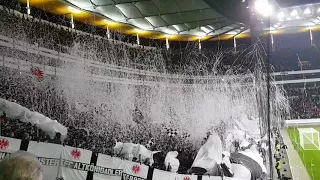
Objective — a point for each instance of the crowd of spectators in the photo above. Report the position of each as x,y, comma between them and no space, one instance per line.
84,130
101,135
295,59
118,51
304,101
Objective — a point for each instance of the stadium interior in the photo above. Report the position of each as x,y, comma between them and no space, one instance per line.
162,89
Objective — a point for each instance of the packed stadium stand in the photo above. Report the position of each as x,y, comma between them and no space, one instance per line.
38,52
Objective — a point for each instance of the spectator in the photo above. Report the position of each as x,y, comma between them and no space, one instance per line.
57,139
278,168
277,155
20,166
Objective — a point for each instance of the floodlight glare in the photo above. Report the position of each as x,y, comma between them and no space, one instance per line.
281,15
201,34
294,13
263,7
74,10
307,11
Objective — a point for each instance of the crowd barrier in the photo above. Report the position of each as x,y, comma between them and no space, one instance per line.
75,163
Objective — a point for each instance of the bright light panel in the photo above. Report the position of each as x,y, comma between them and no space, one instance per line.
201,34
294,13
307,11
205,29
263,7
74,10
281,15
170,32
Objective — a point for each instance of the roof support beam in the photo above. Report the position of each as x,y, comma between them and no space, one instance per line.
223,33
114,3
243,30
219,20
226,21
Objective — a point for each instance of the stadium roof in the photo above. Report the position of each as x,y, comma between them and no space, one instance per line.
188,19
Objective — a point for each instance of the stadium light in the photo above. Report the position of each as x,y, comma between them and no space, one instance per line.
281,15
74,10
294,13
205,29
201,35
263,7
307,11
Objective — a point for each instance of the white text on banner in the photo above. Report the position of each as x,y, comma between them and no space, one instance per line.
77,163
49,157
108,168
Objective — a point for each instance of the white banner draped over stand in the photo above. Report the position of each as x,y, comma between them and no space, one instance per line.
49,157
74,163
159,175
132,170
80,165
8,146
109,168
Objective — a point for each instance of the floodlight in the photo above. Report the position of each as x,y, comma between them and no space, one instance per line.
205,29
288,19
307,11
200,35
281,15
74,10
294,13
263,7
